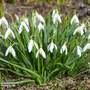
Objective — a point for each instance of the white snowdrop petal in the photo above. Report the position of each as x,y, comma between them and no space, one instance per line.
64,49
20,29
9,32
87,46
26,27
59,19
74,20
23,24
81,29
7,51
41,52
4,21
11,51
30,45
40,18
56,17
88,36
51,47
61,50
48,47
40,26
26,21
79,51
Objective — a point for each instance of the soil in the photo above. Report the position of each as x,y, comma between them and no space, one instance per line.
70,6
79,82
67,83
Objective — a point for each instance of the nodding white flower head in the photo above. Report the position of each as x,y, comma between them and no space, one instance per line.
9,32
23,24
26,21
56,17
89,64
31,44
51,47
3,20
40,27
74,20
10,50
81,29
86,47
63,49
38,20
40,52
79,51
89,37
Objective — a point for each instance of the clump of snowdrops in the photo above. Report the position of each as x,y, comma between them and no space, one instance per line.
42,48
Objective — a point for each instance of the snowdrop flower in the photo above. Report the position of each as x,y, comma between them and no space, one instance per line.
41,52
81,29
89,37
87,46
10,50
31,44
51,47
38,20
40,27
3,21
74,20
89,64
9,32
26,21
23,24
79,51
63,49
56,17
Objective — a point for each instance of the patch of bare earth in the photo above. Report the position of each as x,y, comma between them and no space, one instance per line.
80,82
